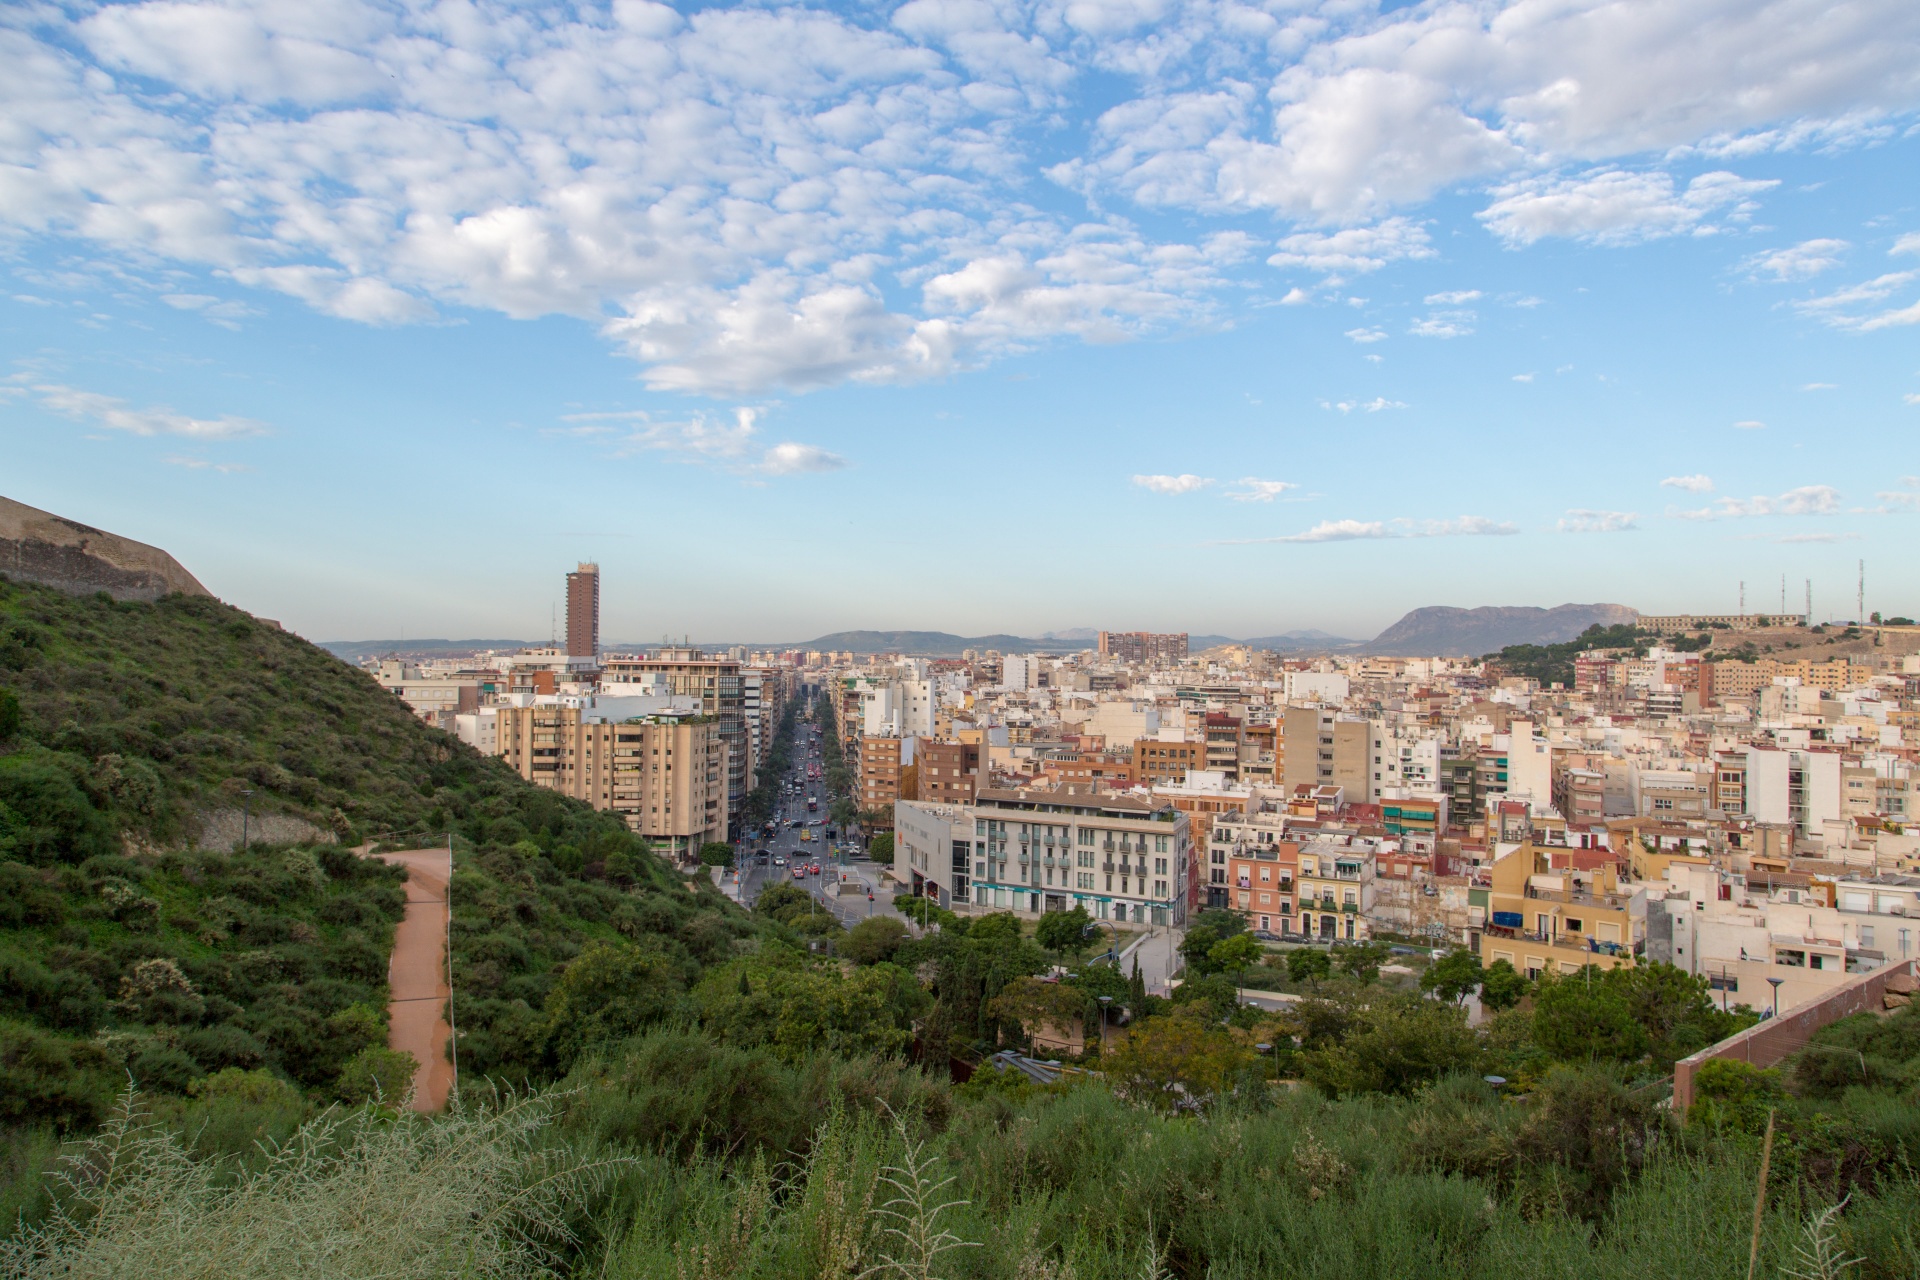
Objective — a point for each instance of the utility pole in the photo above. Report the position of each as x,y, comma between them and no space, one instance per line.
1783,593
1809,601
1743,597
1860,598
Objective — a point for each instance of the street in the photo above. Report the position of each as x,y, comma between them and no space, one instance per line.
760,863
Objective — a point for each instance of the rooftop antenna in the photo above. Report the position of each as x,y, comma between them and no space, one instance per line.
1809,601
1743,596
1783,593
553,625
1860,600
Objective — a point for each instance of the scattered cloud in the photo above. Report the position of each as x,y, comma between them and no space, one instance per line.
1453,299
1399,527
1819,386
1750,424
1523,377
1803,261
117,415
1172,484
1617,206
1367,335
790,459
1908,243
1581,520
1819,537
1692,484
202,464
1253,489
1912,397
1354,249
1903,499
1295,297
1854,307
1444,324
1374,405
730,442
1808,500
225,312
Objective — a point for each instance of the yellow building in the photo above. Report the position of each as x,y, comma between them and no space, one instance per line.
1542,919
667,777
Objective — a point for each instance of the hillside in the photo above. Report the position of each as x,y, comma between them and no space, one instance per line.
128,730
1444,631
936,644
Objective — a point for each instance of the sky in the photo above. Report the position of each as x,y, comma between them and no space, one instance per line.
969,315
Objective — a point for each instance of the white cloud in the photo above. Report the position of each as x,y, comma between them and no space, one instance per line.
1523,377
1819,537
1367,333
1819,386
1750,424
1903,499
1908,243
1615,206
1172,484
1399,527
1581,520
1354,249
1801,262
117,415
1807,500
731,442
1444,324
1456,298
202,464
1692,484
1911,398
1254,489
781,195
1295,297
789,459
1375,405
1852,307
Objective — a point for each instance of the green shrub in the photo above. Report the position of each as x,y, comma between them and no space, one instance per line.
378,1074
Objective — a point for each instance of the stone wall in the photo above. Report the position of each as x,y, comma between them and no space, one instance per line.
39,547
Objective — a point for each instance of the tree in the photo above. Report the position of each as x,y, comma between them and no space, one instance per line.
608,992
377,1074
1234,955
1194,947
1582,1017
1502,986
1223,922
716,853
872,940
1308,966
1362,961
1063,932
1454,975
1176,1063
1394,1044
1037,1005
880,848
9,715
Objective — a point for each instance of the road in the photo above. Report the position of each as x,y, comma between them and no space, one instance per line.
763,863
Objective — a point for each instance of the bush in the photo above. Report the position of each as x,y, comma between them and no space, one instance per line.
378,1074
872,940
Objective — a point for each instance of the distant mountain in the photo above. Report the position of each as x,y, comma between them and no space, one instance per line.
930,644
353,651
1441,631
1072,633
1308,641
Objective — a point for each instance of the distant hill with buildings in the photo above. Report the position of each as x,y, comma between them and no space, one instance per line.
1441,630
936,644
353,651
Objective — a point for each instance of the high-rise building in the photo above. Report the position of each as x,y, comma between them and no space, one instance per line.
583,611
1144,647
718,684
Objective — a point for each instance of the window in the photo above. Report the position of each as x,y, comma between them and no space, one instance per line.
1160,866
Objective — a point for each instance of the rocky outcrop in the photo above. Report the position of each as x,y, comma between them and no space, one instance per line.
1440,631
37,546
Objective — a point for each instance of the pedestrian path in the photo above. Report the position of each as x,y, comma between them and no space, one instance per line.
417,974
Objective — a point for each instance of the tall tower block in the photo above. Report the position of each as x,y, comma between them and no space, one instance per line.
583,612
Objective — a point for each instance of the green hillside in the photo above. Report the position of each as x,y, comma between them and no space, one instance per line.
124,949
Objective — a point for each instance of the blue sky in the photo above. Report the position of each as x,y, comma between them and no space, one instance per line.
977,316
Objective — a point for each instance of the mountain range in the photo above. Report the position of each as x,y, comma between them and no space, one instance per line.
1442,631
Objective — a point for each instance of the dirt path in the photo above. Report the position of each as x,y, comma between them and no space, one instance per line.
417,975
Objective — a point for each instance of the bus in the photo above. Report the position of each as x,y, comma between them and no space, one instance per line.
806,835
813,804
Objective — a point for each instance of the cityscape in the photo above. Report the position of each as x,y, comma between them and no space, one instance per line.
960,640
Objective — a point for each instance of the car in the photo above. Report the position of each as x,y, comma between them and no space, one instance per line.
779,862
799,873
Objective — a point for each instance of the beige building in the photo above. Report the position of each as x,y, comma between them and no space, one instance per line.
1322,748
666,776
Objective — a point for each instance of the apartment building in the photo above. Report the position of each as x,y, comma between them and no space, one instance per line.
583,612
1546,919
1324,747
665,775
886,773
1123,858
948,772
1741,679
1144,648
1157,760
1251,862
717,684
1336,887
933,850
1204,796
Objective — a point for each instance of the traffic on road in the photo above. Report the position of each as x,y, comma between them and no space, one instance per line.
802,846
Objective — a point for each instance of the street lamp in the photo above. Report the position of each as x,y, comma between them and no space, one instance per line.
1775,983
1105,1003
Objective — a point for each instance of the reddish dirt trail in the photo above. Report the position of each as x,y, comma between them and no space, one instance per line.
417,976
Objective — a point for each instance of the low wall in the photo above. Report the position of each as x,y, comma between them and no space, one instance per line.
1775,1039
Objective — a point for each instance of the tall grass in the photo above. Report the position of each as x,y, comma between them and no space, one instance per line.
352,1195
